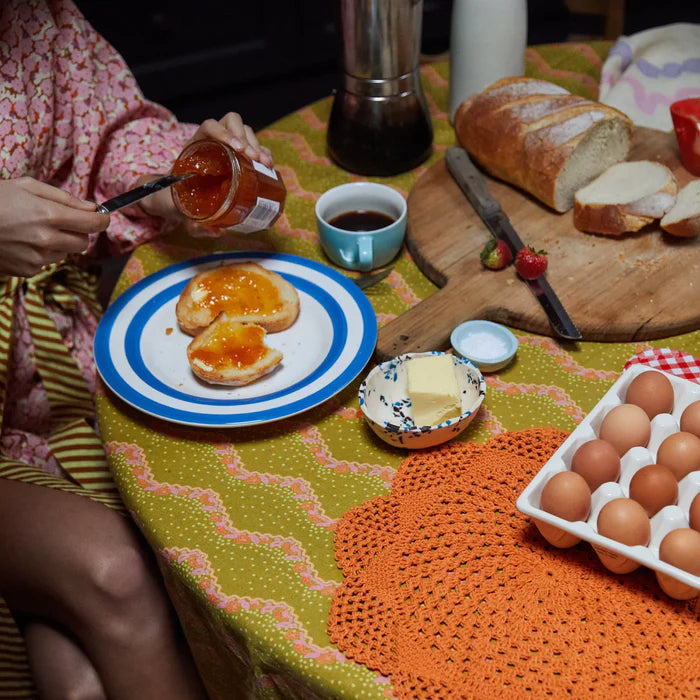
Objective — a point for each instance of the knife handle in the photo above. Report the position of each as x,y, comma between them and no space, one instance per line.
471,182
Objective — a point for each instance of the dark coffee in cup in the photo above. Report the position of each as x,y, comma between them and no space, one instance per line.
361,220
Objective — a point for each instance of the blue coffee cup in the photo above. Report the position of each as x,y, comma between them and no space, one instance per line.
361,224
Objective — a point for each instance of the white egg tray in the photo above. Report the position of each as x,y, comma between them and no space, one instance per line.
667,519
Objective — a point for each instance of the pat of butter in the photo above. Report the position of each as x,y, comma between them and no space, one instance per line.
433,389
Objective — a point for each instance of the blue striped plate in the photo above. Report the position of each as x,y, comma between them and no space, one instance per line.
141,352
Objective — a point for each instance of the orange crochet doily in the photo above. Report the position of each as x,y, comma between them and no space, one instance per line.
454,594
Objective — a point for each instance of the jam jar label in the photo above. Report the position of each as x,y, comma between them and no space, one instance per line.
261,216
264,169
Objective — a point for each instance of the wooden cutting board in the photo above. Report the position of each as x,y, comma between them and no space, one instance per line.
634,287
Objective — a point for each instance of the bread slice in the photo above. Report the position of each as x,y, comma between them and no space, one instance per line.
683,219
231,352
246,291
626,197
541,138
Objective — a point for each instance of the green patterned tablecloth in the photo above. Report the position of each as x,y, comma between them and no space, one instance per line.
243,519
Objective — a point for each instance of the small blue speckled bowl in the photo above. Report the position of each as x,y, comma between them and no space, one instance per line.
387,408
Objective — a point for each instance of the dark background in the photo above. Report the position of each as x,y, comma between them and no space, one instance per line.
266,58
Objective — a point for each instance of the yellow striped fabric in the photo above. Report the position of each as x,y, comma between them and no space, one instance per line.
73,441
15,677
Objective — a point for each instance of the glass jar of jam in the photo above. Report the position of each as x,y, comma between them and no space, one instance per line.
227,189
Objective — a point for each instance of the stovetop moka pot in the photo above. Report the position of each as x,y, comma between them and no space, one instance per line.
379,123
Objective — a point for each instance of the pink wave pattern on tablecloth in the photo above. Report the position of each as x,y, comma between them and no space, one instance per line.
587,51
299,142
286,622
302,490
539,62
303,234
347,413
286,618
217,513
486,417
556,394
383,319
226,241
291,181
567,362
310,117
134,270
312,438
403,290
432,76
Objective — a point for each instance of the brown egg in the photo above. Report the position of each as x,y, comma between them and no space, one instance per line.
654,487
624,520
624,427
694,513
567,496
651,391
596,461
681,548
690,419
680,452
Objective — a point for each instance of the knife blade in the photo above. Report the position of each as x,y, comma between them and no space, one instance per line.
472,183
131,196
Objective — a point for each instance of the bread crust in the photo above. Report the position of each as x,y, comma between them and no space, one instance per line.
524,131
232,364
250,303
688,225
607,219
616,218
684,228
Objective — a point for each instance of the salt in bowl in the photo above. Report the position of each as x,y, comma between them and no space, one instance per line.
386,405
490,346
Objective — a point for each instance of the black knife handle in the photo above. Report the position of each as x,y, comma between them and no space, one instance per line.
471,182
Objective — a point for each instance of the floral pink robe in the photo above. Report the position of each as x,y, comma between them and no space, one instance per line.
71,115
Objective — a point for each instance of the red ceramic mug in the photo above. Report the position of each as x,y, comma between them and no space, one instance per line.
686,122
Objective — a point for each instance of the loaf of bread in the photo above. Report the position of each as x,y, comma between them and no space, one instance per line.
245,291
626,197
231,352
683,219
541,138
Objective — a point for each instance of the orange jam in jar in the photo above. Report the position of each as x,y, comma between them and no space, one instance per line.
239,293
235,345
227,189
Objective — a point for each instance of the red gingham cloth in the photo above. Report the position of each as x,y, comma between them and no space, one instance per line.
673,361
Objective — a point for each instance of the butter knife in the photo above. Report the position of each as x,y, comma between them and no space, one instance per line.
131,196
471,182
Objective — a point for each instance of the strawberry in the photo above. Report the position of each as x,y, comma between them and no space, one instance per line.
496,254
530,263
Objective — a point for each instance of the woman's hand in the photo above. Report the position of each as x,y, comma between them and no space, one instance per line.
41,224
231,130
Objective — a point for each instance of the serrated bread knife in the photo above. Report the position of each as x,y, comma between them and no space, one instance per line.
471,182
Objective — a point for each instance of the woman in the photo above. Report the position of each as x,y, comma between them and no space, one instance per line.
75,574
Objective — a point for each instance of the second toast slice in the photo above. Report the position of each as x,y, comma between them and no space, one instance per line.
231,352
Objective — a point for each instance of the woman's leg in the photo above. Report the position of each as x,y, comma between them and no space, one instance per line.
59,666
83,567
